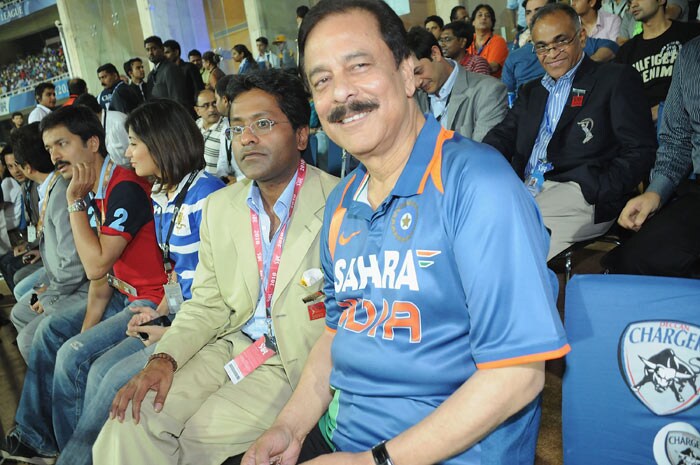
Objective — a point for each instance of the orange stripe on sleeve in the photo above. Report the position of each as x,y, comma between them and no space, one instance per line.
525,359
331,330
337,220
434,169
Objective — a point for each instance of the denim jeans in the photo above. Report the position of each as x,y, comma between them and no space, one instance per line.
26,285
34,413
107,375
74,361
27,320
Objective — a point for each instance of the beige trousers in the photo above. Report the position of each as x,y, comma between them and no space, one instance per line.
567,214
205,418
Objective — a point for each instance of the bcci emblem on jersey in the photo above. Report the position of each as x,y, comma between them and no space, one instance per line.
677,444
403,221
660,362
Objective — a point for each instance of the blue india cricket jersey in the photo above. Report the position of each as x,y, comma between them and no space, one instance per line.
447,276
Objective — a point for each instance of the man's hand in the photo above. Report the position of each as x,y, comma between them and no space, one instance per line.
277,445
30,257
19,249
141,315
638,210
84,177
38,308
157,376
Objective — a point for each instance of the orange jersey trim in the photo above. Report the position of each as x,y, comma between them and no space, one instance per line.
337,220
331,330
508,362
434,169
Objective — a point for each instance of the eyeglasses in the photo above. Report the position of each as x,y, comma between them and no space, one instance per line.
446,40
559,46
207,105
259,127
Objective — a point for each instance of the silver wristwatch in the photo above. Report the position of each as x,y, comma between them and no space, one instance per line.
79,205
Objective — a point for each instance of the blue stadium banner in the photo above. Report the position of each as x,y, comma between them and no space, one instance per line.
20,8
26,100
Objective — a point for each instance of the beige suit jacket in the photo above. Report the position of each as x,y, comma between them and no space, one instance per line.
226,285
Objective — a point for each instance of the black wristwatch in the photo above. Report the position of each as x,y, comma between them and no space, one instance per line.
380,454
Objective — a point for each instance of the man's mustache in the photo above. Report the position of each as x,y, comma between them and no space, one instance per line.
60,163
340,112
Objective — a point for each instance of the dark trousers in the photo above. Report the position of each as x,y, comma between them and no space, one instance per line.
314,445
668,244
9,265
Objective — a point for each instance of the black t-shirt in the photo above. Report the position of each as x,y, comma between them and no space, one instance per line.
654,58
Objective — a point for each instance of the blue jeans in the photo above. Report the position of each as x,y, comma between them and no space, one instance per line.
73,363
26,286
107,375
34,413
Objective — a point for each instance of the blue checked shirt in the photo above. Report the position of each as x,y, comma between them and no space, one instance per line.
559,91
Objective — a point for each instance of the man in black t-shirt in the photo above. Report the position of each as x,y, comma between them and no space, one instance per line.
116,96
653,52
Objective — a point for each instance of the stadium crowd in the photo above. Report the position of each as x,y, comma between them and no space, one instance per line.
191,288
32,69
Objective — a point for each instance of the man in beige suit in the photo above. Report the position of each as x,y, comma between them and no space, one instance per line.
267,227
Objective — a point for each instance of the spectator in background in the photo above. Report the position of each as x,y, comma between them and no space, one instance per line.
136,73
266,59
459,13
434,24
285,54
522,64
195,57
581,137
468,103
12,188
615,7
654,52
212,125
210,62
116,96
17,120
517,12
45,95
226,167
76,88
598,24
490,46
165,79
242,56
455,41
116,137
665,217
193,80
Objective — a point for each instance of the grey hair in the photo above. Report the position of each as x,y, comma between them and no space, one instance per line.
552,8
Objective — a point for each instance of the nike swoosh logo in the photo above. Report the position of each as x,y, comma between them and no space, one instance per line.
342,240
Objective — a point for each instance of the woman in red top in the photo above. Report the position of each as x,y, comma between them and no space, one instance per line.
486,44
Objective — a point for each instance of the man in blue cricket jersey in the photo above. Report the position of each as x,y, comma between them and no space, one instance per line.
440,309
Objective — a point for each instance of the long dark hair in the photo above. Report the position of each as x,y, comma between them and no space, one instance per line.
243,50
172,138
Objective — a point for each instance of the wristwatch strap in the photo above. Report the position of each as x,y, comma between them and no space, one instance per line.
380,454
78,206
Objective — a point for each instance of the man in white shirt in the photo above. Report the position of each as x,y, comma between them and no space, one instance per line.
45,95
265,57
211,124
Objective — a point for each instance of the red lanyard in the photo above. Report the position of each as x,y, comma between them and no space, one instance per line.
277,252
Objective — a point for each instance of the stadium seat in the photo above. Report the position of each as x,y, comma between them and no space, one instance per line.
630,390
